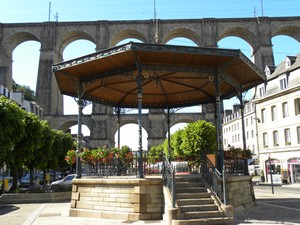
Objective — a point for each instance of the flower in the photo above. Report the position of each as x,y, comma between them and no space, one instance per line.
71,157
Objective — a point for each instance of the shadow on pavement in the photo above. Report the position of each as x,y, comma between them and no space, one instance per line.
4,209
271,211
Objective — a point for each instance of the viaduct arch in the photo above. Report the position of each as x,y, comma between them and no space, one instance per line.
55,36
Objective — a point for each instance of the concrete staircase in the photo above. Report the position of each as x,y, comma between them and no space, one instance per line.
196,204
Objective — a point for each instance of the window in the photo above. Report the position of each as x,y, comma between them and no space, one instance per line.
263,115
285,110
252,134
261,91
265,140
287,136
298,134
297,106
282,83
247,135
247,122
274,112
251,119
275,138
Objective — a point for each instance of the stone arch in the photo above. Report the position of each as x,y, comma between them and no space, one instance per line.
145,135
291,31
182,120
181,32
240,32
71,36
125,34
13,40
64,126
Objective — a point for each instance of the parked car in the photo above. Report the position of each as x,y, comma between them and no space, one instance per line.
25,180
64,184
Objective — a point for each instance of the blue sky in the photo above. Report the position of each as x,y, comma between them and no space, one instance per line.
20,11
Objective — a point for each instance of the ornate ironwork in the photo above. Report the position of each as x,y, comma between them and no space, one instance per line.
169,178
212,176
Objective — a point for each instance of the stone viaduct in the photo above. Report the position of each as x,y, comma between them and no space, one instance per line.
55,36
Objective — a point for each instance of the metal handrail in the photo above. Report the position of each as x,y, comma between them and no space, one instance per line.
168,174
213,177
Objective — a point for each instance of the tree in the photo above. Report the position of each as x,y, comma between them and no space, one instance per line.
61,144
12,127
26,148
175,142
156,151
199,137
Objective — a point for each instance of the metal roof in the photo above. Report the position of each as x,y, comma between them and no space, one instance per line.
172,76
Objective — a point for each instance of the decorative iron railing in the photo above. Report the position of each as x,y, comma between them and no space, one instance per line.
212,176
121,167
169,178
236,166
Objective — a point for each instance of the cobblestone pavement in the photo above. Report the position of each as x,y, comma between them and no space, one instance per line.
282,207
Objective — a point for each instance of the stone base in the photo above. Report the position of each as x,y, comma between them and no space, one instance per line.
112,215
129,199
240,192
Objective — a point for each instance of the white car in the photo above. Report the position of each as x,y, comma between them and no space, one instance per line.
63,184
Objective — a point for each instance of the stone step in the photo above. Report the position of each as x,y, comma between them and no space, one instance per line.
195,201
202,214
196,179
195,208
189,184
208,221
182,189
193,195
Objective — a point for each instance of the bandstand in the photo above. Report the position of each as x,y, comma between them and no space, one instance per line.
151,76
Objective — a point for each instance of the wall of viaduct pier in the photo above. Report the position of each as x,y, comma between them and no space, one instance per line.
55,36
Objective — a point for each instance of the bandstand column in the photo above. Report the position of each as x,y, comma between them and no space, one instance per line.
220,151
79,134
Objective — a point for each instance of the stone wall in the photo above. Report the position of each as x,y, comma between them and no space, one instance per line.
126,199
240,192
35,197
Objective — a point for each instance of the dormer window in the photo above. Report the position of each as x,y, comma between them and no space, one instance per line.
267,71
287,63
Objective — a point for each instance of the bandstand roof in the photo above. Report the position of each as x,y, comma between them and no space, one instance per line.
172,76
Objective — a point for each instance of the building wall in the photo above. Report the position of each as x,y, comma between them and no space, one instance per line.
283,151
272,132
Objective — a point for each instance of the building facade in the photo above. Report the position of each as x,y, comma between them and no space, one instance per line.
18,97
272,123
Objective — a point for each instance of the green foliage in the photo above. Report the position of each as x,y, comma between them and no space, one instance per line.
156,151
176,142
195,138
25,149
199,137
12,127
28,142
234,152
